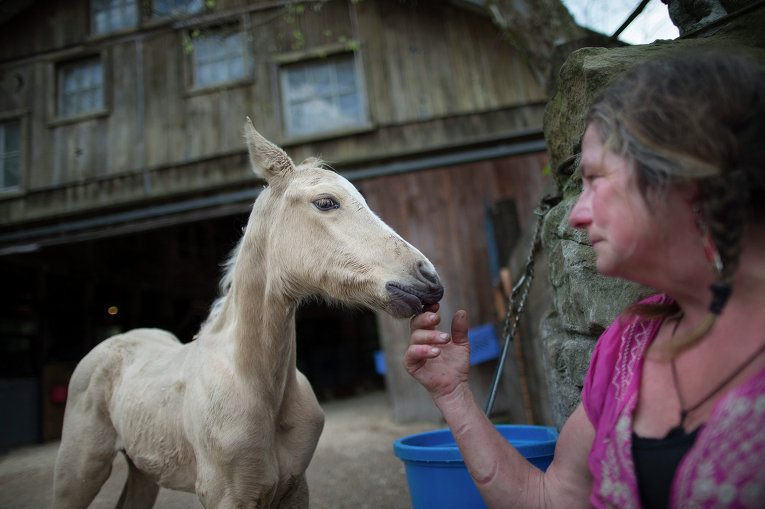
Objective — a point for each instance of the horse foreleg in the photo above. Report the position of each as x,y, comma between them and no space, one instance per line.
83,465
139,491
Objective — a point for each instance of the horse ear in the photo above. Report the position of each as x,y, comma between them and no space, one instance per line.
267,160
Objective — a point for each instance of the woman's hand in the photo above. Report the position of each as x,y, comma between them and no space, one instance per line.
438,361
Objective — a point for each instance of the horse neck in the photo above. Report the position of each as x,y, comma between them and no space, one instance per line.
256,325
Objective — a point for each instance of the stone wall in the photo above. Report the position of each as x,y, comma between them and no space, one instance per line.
585,302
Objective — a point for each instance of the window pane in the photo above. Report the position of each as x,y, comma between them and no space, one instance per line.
10,146
218,71
346,76
349,106
11,137
297,84
176,7
70,81
115,19
100,22
85,76
236,69
204,74
321,80
231,44
10,172
91,75
298,119
129,14
98,98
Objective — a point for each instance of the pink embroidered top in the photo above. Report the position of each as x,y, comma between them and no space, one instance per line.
724,468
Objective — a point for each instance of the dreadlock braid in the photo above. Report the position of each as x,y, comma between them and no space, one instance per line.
726,201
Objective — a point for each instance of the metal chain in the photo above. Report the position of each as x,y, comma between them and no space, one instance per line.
515,305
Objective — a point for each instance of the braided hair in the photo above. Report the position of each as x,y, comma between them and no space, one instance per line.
694,117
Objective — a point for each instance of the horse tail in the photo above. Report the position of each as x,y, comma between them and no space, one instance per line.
139,491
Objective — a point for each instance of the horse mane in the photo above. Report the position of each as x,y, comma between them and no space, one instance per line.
224,285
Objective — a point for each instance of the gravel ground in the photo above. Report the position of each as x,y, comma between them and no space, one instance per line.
354,465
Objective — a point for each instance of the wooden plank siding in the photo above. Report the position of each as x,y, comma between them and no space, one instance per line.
434,76
441,211
440,83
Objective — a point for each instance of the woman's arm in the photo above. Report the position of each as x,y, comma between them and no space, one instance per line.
503,476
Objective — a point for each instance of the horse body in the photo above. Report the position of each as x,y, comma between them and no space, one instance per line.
228,415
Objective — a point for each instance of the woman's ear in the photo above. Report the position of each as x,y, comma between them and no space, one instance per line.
689,191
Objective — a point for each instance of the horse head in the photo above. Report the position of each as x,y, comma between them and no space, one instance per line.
320,238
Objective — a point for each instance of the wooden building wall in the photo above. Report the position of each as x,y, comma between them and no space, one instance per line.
439,81
435,76
443,212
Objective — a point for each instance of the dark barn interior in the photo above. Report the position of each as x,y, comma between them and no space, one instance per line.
61,301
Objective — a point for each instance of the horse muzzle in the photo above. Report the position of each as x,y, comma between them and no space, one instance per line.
407,299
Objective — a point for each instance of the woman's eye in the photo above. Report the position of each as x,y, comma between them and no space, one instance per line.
326,203
590,178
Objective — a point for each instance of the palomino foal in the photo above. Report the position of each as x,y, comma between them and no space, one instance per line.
228,415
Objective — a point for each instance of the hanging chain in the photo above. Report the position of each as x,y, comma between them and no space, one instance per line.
518,296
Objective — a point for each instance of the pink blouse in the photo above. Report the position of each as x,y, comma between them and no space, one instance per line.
724,468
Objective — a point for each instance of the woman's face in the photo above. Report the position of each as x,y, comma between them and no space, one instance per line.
628,239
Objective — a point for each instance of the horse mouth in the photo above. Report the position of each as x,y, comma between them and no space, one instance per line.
408,300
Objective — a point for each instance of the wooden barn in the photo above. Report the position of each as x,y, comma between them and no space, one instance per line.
124,179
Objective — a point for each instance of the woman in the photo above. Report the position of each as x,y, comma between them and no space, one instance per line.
673,408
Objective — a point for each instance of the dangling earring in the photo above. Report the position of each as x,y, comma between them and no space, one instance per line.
706,241
720,291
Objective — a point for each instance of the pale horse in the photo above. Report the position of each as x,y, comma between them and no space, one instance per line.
228,415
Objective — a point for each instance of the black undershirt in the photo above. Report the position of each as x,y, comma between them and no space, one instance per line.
656,460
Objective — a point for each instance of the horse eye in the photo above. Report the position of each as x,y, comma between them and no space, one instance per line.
326,203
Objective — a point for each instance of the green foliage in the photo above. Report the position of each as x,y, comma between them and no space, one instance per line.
188,40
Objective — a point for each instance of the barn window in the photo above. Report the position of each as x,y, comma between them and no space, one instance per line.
322,95
113,15
175,8
80,88
10,155
217,57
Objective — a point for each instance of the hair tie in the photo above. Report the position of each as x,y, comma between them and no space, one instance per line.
720,294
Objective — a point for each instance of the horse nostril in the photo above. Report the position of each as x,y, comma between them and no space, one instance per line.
428,274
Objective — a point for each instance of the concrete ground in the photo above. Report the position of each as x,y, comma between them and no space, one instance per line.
354,465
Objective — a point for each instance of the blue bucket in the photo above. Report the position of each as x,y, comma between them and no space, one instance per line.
437,476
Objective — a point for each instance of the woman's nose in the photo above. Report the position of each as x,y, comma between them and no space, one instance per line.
580,216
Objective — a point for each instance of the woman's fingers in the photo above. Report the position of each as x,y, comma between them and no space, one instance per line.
460,327
417,353
426,320
428,337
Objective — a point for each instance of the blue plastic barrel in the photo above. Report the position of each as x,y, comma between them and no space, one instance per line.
437,476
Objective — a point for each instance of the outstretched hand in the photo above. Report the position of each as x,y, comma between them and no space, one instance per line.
437,360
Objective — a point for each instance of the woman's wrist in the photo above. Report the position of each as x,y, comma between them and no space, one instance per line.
457,402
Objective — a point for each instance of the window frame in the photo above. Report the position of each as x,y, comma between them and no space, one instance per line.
198,33
326,54
56,113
